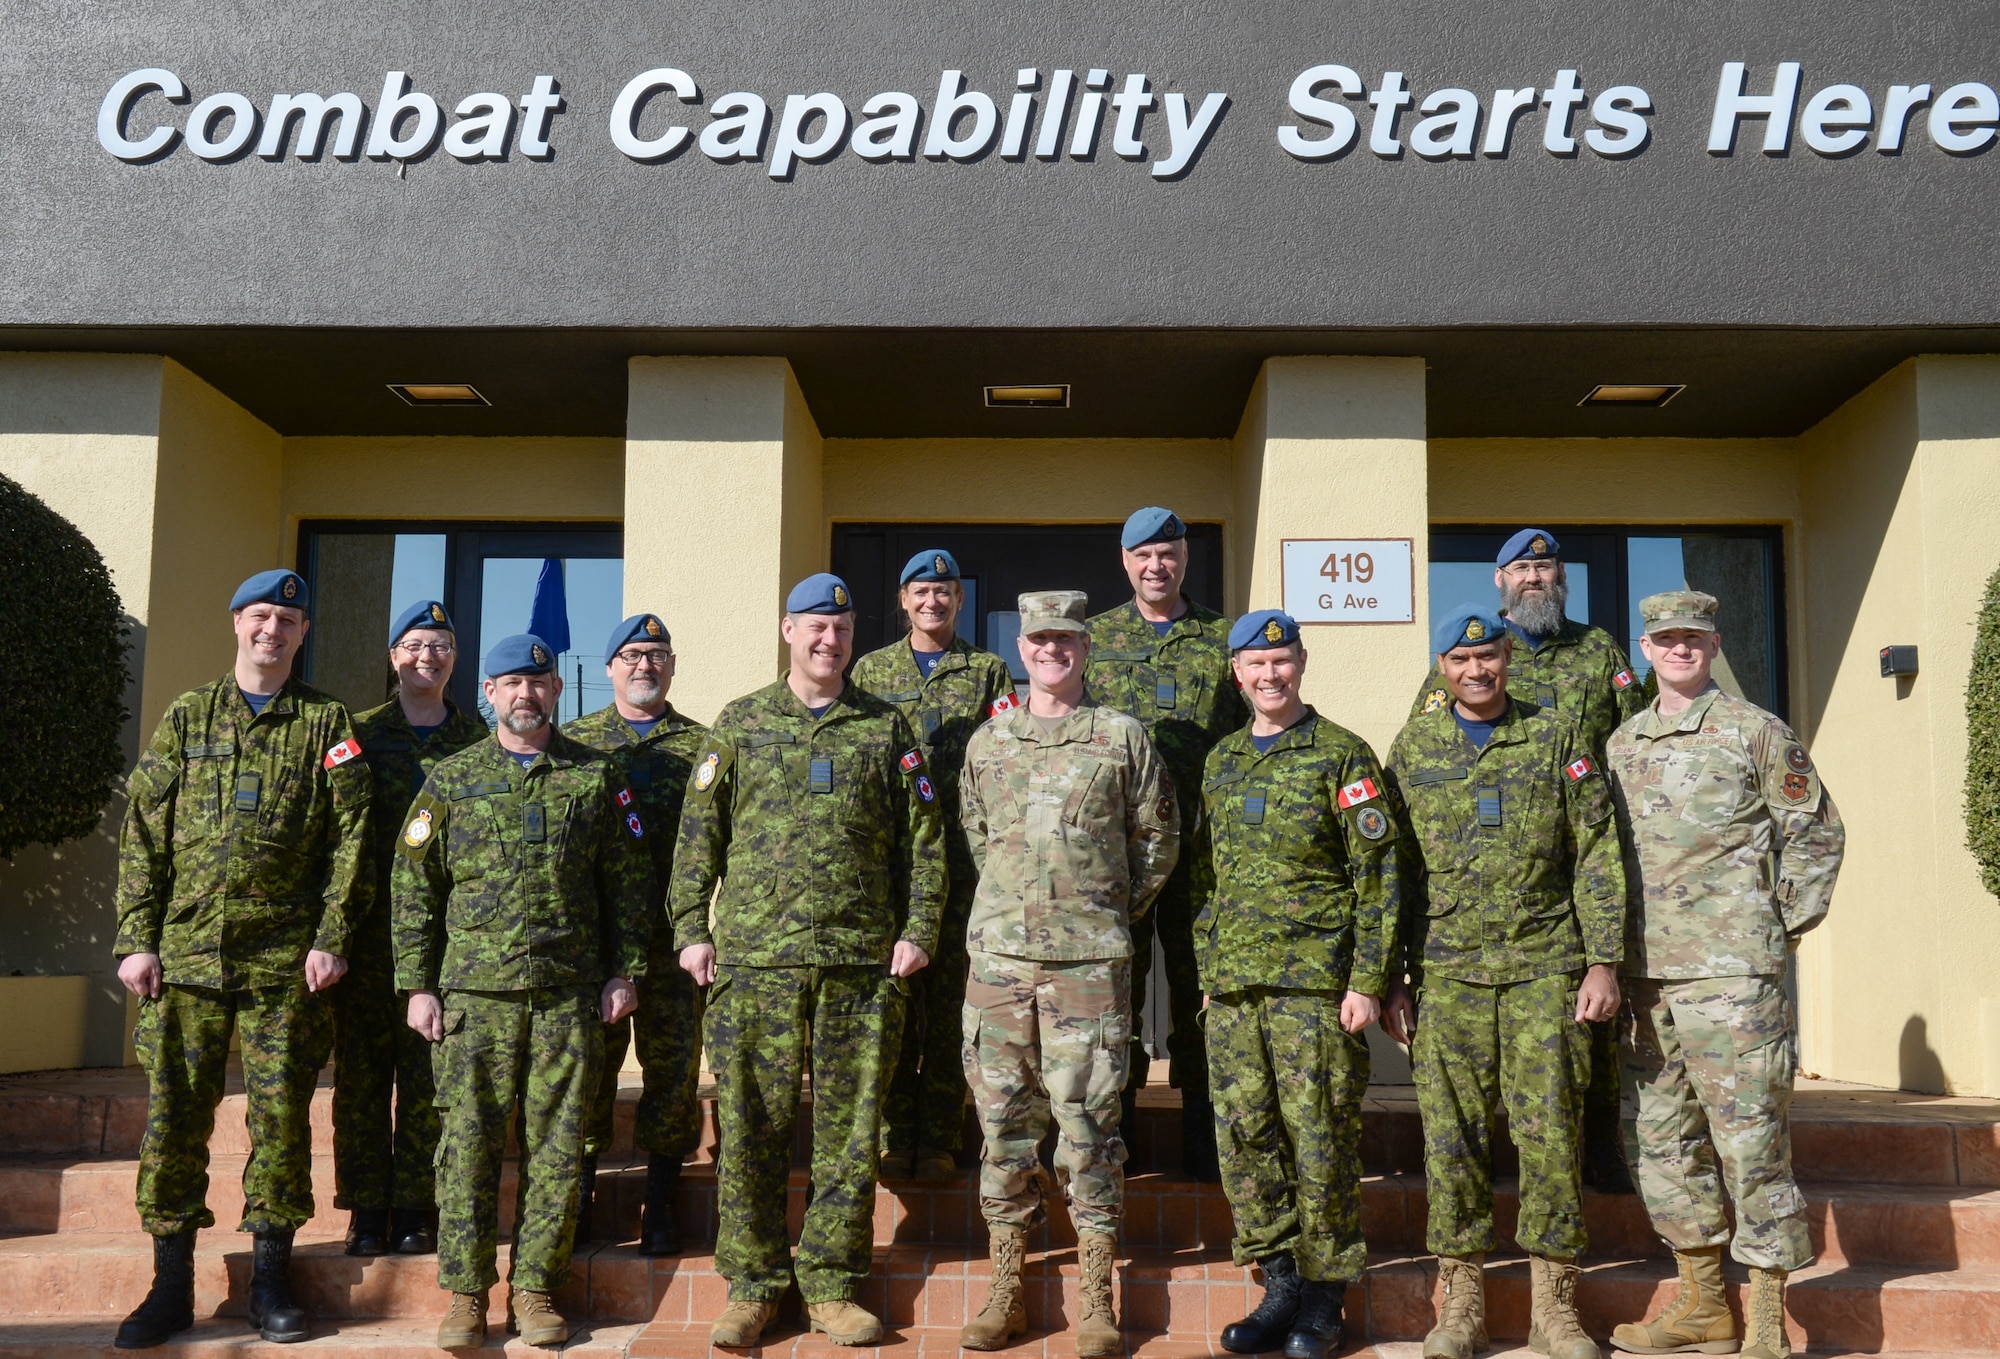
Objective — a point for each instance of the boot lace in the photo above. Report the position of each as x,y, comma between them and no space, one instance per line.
1461,1294
1767,1313
1562,1324
1096,1283
1008,1254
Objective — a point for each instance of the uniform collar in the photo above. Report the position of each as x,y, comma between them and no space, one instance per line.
849,698
1298,736
1195,617
1690,718
670,722
400,720
562,753
1569,634
283,703
953,658
1080,725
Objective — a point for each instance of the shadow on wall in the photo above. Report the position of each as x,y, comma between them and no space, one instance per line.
1917,1067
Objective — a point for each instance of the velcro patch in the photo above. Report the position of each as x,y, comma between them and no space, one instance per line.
341,753
1372,824
1579,768
911,761
1436,699
1360,791
1006,703
632,824
1622,680
624,797
1797,788
924,788
419,830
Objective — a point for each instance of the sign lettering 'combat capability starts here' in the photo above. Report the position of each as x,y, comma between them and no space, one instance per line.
1065,114
1350,580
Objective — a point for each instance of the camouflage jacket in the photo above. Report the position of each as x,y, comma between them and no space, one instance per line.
824,833
1074,830
245,838
1733,844
1522,876
398,762
656,768
945,710
1580,672
509,879
1308,882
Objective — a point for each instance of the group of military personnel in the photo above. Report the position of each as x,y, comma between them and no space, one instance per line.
901,877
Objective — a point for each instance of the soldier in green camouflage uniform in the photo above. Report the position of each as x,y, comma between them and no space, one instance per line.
1734,845
654,748
520,897
385,1122
1582,673
945,687
1074,826
812,805
1164,659
240,877
1514,938
1295,950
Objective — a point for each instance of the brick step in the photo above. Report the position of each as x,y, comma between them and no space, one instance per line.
1914,1226
1189,1294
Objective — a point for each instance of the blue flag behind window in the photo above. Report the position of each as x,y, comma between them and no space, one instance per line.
549,619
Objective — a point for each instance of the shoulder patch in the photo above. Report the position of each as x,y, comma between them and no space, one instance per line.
704,773
1006,703
341,754
1358,792
912,760
418,832
624,797
1578,768
1372,823
633,824
1622,680
1797,759
1797,788
925,789
1436,699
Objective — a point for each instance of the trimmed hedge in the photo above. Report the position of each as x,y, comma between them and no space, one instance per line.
62,632
1982,725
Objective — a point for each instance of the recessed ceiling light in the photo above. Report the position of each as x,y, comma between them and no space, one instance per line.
1633,393
1049,395
439,393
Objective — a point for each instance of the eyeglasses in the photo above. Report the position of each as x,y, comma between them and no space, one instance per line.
1547,566
632,660
418,650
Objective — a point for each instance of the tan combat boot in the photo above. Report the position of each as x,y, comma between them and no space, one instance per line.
1553,1328
1697,1321
1005,1314
1461,1329
535,1319
1764,1316
464,1326
1097,1328
844,1322
742,1322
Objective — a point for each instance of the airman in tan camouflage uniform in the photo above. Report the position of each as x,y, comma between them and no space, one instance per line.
1074,825
1716,792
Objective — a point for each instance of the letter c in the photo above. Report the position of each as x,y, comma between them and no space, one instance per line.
118,102
625,114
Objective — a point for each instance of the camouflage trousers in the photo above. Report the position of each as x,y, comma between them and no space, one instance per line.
1172,920
764,1026
1605,1064
667,1028
507,1055
1713,1060
1041,1038
1480,1048
385,1119
1288,1083
924,1109
182,1040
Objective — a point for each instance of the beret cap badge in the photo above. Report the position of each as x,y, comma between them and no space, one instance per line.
652,627
840,595
437,613
1273,632
290,589
1540,546
541,657
1475,630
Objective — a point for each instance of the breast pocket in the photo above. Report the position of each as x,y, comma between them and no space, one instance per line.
1092,801
1707,787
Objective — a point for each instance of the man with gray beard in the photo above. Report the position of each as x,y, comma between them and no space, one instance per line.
1583,674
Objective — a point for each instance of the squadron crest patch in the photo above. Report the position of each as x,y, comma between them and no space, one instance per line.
632,824
419,829
1372,824
1436,699
924,788
1797,788
705,775
1165,811
1796,757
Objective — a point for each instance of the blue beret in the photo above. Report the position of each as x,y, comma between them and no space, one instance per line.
522,654
931,564
1152,525
822,593
1263,630
644,627
1467,625
425,613
273,587
1532,543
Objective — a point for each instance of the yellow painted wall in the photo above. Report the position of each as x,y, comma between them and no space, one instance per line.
43,1023
451,478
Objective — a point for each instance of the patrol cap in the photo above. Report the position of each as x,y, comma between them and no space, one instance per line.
425,613
821,593
277,586
931,564
640,627
1263,630
1152,525
1530,544
522,654
1467,625
1678,609
1053,611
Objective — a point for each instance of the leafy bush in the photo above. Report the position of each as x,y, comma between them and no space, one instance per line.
62,636
1982,725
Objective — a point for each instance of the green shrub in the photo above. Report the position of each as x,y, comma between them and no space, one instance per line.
62,637
1982,725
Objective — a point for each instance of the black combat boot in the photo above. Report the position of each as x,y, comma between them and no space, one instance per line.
586,1202
169,1307
368,1231
1604,1151
659,1223
413,1231
1316,1331
273,1311
1268,1326
1198,1156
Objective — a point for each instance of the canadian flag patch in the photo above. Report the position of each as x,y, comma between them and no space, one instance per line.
1576,769
1358,792
1622,680
911,760
341,754
1006,703
624,797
